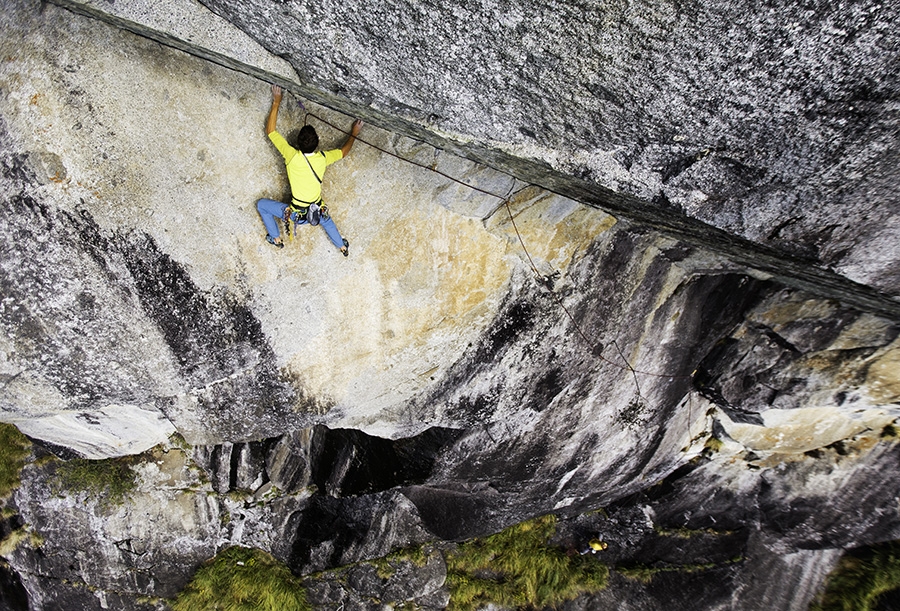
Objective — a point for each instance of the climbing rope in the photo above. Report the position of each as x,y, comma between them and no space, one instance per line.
410,161
542,279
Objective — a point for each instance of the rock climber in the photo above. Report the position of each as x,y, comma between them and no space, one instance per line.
594,545
305,169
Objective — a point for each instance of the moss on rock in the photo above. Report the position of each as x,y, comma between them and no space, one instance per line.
243,578
517,567
14,448
112,480
861,578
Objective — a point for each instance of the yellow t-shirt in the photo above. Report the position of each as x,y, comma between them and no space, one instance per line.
305,187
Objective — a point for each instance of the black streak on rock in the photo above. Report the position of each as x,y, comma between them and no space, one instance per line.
212,337
547,386
514,320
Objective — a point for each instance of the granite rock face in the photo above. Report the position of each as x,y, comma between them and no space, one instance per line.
770,121
485,355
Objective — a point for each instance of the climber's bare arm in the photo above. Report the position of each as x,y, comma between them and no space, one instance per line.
354,132
273,112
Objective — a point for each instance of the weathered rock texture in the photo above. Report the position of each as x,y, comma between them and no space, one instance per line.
472,364
776,122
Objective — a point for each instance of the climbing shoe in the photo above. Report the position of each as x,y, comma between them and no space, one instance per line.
346,249
272,241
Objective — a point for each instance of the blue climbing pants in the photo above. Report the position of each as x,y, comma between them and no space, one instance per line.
272,213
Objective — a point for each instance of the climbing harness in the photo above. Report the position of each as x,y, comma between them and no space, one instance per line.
312,214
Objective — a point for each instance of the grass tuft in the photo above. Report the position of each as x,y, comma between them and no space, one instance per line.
111,479
243,579
713,444
386,566
860,578
645,574
14,449
641,573
682,532
517,568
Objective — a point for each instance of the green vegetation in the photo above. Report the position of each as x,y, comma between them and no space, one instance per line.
177,441
860,578
387,565
242,579
518,568
683,532
15,538
14,448
239,495
713,444
645,574
111,479
641,573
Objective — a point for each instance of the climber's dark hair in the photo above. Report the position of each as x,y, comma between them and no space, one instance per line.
307,139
